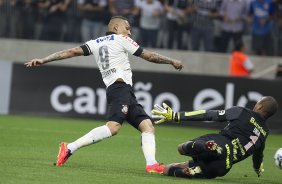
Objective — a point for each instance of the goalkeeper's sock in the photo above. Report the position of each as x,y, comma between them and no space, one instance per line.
94,136
149,147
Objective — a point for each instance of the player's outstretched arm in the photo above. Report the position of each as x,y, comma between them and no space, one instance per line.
160,59
77,51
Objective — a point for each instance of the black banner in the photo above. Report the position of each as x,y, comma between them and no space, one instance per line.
80,92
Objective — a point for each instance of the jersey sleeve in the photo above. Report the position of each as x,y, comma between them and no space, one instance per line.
248,64
131,46
87,48
230,114
211,115
258,157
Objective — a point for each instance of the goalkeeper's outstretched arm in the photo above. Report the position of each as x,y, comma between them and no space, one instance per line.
166,114
200,115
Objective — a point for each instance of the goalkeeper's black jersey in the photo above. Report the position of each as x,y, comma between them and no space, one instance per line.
246,129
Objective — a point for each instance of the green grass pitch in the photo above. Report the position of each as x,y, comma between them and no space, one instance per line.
29,146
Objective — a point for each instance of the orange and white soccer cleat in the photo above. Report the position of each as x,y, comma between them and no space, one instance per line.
63,155
155,168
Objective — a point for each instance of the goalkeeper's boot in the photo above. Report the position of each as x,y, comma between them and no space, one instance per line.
193,170
155,168
213,146
64,154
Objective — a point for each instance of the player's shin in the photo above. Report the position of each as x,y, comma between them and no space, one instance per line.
149,147
94,136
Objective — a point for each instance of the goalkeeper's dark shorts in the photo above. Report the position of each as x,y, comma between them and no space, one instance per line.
212,165
123,106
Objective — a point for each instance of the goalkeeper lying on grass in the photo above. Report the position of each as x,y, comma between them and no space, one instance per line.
214,154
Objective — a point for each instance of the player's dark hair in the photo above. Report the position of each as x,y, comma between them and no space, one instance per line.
270,106
238,45
119,17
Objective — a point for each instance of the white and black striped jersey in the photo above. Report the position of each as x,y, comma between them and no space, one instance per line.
111,55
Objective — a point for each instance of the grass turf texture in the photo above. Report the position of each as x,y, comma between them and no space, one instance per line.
29,146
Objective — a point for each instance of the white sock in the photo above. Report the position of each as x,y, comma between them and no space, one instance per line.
94,136
149,147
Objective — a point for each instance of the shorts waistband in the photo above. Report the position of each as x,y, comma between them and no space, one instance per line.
119,82
116,83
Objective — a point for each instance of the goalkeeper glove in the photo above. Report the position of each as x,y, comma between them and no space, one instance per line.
260,170
165,113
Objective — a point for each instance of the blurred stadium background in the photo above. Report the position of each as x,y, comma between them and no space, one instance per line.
41,107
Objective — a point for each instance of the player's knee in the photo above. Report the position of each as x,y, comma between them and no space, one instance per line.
114,127
181,150
185,148
114,132
150,127
146,126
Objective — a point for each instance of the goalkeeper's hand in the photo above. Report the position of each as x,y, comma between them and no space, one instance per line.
260,170
165,113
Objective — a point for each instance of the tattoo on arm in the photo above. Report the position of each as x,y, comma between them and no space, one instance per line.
77,51
155,57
